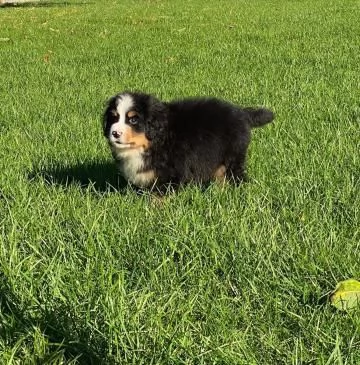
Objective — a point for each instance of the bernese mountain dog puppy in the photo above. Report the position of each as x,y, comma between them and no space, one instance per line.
159,143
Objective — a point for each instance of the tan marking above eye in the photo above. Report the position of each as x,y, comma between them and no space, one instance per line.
132,113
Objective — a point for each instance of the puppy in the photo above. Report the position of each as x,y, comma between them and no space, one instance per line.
158,143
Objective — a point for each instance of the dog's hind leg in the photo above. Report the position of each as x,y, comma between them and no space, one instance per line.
237,168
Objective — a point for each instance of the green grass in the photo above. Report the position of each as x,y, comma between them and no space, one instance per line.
91,272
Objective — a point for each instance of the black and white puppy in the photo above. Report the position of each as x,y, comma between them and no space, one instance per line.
157,143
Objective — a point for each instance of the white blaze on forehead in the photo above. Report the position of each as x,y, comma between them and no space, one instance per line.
125,104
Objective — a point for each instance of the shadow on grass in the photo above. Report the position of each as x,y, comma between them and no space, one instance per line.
72,336
68,336
41,4
102,177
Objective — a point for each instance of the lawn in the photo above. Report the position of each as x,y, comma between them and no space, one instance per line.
92,272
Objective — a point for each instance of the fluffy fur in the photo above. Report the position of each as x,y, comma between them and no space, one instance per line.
157,143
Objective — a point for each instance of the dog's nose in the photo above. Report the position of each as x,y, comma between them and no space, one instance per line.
116,134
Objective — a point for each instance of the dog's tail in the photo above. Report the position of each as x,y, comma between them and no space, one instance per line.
259,117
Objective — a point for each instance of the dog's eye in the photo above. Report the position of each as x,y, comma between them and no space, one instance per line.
113,118
133,120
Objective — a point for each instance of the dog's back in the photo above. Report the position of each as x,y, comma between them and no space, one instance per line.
209,134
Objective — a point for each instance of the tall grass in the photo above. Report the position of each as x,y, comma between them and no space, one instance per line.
92,272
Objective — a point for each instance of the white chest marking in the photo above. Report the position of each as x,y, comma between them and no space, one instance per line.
131,163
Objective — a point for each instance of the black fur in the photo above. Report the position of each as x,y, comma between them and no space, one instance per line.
191,138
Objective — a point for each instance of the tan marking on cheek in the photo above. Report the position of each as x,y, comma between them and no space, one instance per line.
127,135
140,140
220,173
132,113
134,138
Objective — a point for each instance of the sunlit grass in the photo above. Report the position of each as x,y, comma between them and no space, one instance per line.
91,272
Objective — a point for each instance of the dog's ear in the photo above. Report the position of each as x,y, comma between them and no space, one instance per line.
157,120
109,116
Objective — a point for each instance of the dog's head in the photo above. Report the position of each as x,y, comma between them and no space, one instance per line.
134,121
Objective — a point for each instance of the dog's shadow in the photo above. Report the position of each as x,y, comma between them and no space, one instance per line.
102,177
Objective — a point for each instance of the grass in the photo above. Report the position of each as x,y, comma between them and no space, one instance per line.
91,272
